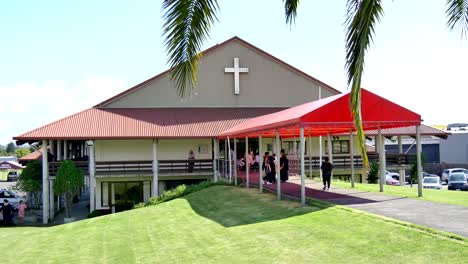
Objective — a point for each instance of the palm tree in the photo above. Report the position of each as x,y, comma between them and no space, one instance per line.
188,23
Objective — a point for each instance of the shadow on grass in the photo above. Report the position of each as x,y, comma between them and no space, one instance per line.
234,206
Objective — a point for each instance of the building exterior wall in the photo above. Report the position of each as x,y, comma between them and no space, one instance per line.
430,152
168,149
454,149
267,84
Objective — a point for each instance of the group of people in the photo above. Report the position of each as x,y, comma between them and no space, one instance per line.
269,166
251,161
8,212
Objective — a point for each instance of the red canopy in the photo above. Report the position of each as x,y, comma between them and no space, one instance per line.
330,115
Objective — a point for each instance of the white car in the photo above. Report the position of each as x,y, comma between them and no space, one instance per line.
447,172
12,197
393,175
432,183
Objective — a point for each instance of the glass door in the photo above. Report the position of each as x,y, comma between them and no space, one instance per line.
127,194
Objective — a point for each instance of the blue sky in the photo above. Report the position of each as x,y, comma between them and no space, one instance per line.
60,57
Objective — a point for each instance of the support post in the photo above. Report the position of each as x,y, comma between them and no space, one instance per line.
247,165
51,147
302,147
278,179
216,158
155,186
59,150
320,156
310,156
381,161
51,201
330,152
400,152
230,159
351,154
235,161
92,179
418,159
45,183
65,150
260,164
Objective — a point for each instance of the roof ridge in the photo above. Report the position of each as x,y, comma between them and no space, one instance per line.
209,50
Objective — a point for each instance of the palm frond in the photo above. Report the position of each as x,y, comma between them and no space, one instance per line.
362,17
457,14
187,25
290,10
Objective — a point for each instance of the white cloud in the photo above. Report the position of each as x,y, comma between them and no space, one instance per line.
28,105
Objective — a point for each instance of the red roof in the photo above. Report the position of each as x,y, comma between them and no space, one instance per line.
35,155
330,115
212,49
133,123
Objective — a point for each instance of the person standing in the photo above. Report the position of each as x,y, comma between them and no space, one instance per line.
21,211
191,160
284,166
7,211
327,168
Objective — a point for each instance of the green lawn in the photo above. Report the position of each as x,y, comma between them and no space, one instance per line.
225,224
440,196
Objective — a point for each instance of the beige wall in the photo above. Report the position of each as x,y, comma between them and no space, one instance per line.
168,149
267,84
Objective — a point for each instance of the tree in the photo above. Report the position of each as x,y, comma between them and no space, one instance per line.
373,173
30,181
10,148
68,182
21,152
188,23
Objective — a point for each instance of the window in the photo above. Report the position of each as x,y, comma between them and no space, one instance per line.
338,146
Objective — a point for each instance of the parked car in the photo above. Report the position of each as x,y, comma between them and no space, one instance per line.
11,196
394,175
447,172
432,183
13,176
391,181
457,181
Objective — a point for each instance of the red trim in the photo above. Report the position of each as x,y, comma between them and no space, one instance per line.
209,50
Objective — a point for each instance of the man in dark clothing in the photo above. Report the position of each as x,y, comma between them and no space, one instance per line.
327,168
284,167
7,210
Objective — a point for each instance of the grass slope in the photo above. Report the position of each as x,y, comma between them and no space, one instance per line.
230,225
440,196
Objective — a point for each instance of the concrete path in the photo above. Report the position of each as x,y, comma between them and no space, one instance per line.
446,217
79,210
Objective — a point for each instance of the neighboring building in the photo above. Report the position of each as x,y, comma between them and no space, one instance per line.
455,148
9,158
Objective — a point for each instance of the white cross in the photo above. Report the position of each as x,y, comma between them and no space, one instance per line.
236,70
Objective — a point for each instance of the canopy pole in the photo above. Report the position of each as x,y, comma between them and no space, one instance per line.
230,159
247,165
320,156
351,154
310,157
381,161
330,152
260,164
302,167
235,161
278,180
400,152
418,159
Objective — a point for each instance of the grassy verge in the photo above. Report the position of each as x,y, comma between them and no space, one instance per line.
440,196
225,224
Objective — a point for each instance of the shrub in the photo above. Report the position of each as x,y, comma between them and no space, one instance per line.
97,213
178,192
373,174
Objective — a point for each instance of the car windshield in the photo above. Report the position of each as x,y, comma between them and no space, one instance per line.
457,177
430,180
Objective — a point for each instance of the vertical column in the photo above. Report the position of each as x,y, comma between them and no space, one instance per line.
51,200
59,150
302,166
351,156
92,179
260,164
381,161
402,171
65,150
112,198
235,161
229,153
216,158
45,183
320,156
247,165
330,152
418,159
51,147
155,187
278,180
310,156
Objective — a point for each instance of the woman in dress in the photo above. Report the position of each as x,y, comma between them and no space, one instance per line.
21,211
